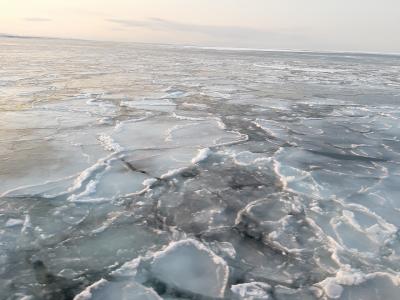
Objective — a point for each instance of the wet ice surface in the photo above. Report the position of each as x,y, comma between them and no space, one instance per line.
149,172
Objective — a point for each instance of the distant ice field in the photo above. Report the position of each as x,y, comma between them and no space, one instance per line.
134,171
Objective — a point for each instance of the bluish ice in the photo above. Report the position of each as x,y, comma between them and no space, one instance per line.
134,171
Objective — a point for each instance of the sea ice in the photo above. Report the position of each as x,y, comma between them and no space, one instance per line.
134,171
192,267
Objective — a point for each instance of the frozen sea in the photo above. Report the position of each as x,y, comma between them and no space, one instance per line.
134,171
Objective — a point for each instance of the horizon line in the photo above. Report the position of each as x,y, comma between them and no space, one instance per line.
215,48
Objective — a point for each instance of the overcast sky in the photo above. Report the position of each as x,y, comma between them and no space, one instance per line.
346,25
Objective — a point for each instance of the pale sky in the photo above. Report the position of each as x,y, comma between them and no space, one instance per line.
344,25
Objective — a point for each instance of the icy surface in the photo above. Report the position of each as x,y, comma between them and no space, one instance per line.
159,172
189,265
104,290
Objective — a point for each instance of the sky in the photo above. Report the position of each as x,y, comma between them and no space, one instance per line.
331,25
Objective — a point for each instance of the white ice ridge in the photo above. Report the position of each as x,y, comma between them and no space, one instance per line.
172,173
152,105
253,290
87,293
86,174
180,117
107,290
109,144
201,155
14,222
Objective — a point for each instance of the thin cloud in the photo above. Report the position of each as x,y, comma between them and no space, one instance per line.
209,30
38,19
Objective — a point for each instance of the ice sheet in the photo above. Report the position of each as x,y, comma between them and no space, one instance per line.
133,171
